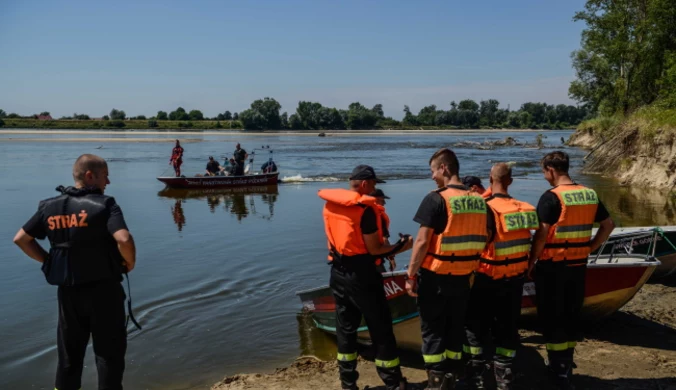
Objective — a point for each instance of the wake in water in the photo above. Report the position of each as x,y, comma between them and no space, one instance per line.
301,179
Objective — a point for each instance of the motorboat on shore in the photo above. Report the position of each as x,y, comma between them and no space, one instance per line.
612,280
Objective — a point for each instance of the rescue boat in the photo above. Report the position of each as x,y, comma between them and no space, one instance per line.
250,178
612,280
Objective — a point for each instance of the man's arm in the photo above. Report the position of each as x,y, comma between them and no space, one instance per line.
420,247
605,228
125,243
29,246
375,247
538,244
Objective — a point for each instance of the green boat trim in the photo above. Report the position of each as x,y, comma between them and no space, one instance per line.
364,328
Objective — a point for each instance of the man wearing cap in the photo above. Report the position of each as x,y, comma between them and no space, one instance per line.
474,184
213,167
354,232
380,200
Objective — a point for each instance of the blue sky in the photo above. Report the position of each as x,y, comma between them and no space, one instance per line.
144,56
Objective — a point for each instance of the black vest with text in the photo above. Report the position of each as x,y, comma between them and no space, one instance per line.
82,250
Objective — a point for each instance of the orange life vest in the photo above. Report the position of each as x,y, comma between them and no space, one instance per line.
507,254
487,194
569,238
456,251
342,221
385,225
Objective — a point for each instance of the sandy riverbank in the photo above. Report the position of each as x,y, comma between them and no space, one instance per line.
633,349
239,133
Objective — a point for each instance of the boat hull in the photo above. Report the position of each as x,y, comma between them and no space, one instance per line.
221,181
609,286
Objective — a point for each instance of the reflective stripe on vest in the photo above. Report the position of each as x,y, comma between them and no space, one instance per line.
569,239
507,254
456,250
387,363
342,221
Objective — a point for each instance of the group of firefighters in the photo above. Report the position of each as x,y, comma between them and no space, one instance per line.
467,269
469,262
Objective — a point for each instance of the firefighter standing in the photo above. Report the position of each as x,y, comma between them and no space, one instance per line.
495,300
354,232
90,249
453,233
559,255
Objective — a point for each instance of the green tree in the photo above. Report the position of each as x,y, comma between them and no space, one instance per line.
2,114
152,123
2,123
235,116
625,53
409,118
263,114
227,115
44,113
179,115
488,110
162,116
285,120
427,115
196,115
378,110
116,114
105,117
469,105
295,123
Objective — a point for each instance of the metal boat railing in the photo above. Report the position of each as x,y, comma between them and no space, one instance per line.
624,242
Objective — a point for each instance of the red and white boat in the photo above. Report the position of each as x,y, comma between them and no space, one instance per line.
612,281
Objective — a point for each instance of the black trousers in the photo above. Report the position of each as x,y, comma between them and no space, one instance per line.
494,309
442,302
96,309
559,297
358,290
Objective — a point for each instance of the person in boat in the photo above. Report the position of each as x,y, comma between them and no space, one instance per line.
474,184
232,168
269,167
90,249
385,223
213,167
561,246
355,238
445,254
240,155
495,300
177,158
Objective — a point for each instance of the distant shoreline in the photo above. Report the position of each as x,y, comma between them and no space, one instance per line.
239,133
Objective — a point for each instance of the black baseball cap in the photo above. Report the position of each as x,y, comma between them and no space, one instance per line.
364,172
378,193
470,181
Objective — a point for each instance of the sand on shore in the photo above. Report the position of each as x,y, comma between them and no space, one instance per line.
633,349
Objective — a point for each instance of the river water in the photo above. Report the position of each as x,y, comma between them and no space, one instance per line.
217,272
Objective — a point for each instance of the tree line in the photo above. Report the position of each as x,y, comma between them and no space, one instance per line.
265,114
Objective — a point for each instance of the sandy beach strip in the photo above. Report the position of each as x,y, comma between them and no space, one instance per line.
266,133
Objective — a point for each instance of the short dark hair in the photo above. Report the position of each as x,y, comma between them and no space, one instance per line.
88,162
558,160
447,157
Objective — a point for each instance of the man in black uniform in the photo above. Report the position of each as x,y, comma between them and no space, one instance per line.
213,167
240,156
90,249
559,254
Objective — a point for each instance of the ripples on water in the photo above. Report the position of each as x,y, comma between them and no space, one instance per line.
217,270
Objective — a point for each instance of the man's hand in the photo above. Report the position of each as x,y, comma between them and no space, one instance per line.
409,242
412,287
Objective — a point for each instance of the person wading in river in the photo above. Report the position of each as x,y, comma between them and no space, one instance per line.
90,249
453,233
495,299
355,238
559,255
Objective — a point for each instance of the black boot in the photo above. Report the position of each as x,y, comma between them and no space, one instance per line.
561,371
475,374
439,380
503,375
